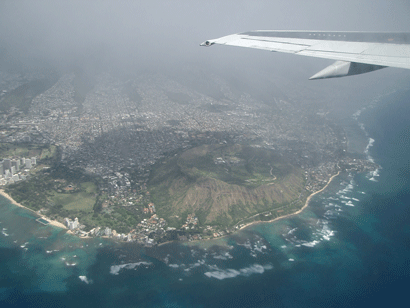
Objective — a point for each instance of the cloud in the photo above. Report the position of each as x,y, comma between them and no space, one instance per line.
162,34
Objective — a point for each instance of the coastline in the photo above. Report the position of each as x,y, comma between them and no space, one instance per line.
14,202
60,225
268,221
298,211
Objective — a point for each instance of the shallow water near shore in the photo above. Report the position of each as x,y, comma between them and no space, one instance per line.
350,247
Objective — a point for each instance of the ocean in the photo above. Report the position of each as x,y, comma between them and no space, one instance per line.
349,248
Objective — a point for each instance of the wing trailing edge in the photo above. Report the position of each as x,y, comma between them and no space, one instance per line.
355,52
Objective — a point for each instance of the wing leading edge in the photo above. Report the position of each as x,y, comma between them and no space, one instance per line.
354,52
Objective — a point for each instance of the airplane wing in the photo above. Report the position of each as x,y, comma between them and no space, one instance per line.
354,52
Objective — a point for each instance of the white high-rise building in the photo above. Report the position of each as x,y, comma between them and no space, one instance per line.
28,163
107,231
72,224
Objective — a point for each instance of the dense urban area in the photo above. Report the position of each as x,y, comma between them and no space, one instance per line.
81,150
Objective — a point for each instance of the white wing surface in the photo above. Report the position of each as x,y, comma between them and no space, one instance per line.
355,52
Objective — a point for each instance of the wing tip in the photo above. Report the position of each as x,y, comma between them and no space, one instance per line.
207,43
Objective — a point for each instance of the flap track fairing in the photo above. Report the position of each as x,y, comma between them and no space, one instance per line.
343,68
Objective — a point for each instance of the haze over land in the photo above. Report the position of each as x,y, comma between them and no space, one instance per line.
122,87
129,37
111,113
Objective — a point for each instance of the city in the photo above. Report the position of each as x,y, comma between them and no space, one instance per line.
116,130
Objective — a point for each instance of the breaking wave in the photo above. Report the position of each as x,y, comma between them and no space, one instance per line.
115,269
85,279
232,273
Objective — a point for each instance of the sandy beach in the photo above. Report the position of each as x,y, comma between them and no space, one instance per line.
50,221
60,225
297,212
268,221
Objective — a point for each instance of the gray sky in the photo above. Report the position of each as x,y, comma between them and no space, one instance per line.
162,32
160,36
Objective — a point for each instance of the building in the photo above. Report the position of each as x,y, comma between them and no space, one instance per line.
72,224
16,163
107,231
28,163
7,164
76,224
33,161
151,208
97,231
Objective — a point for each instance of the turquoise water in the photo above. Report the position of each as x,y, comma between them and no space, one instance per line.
349,248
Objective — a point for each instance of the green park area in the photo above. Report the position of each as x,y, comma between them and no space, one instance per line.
59,192
83,199
42,152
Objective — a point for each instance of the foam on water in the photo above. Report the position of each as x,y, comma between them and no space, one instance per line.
115,269
320,230
256,248
224,256
85,279
373,174
232,273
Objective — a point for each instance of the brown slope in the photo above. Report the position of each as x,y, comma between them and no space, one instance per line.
178,186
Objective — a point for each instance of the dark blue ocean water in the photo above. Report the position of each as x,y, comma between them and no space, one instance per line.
349,248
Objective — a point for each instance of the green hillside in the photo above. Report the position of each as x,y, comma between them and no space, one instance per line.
223,184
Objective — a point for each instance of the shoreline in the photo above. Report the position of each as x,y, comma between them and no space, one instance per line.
268,221
14,202
298,211
62,226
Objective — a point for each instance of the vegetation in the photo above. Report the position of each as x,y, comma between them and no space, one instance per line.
43,152
22,96
69,196
59,191
224,184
